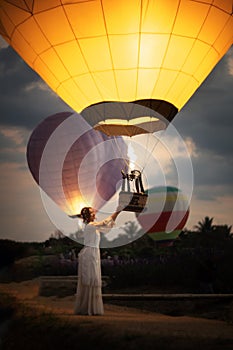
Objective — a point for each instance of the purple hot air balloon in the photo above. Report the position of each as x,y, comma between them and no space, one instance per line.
74,164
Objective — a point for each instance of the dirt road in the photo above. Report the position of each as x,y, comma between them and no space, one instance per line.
127,328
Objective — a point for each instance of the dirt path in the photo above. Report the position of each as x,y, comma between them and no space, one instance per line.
119,320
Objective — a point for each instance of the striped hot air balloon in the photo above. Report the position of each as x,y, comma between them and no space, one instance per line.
166,214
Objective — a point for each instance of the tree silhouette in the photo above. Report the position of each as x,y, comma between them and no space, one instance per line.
132,230
129,233
222,231
205,226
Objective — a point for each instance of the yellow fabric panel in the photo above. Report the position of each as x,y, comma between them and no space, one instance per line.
122,16
186,93
44,5
29,4
224,40
152,50
195,57
205,1
35,38
225,5
107,85
183,25
65,95
209,61
70,53
146,82
19,3
22,47
65,2
126,84
84,28
158,16
56,66
54,23
124,49
106,56
46,73
88,88
164,82
213,25
96,52
72,94
177,52
8,26
181,87
15,14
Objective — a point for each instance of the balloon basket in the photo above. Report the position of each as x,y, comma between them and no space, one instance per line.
132,201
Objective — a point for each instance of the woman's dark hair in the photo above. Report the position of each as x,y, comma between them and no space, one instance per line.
85,214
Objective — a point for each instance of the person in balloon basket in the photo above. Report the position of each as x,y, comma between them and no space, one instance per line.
88,299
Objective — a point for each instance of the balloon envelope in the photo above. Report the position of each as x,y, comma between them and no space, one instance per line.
166,214
118,50
55,152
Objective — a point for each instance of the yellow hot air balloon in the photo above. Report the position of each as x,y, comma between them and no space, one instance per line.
157,52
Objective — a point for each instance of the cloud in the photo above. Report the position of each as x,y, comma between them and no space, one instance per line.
220,209
13,142
25,98
213,170
229,58
16,135
3,43
207,117
206,120
21,206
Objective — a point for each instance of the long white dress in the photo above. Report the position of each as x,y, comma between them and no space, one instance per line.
88,299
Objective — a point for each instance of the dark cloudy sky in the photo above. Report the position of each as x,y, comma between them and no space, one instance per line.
206,123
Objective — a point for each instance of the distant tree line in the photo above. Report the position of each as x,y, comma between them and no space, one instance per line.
205,235
204,253
10,250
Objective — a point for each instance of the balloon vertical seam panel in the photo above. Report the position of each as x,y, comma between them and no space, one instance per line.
89,89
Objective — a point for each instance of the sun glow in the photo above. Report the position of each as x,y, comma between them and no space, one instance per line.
76,205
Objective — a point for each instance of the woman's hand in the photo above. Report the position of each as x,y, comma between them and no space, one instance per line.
117,212
120,208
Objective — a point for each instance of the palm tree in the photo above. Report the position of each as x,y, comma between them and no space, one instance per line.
205,226
132,230
223,231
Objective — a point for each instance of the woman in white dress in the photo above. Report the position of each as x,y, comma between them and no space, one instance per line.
89,293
